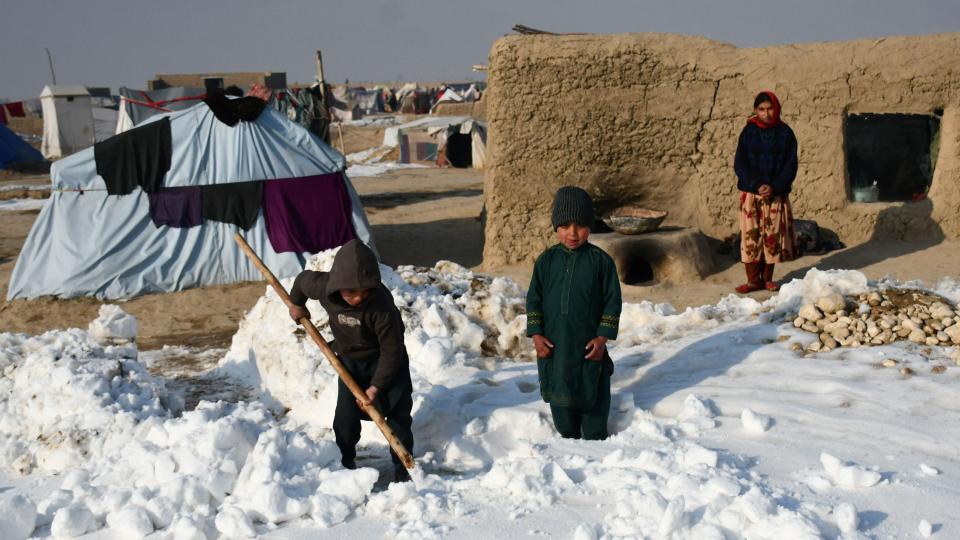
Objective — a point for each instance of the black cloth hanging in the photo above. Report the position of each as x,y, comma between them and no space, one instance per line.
230,111
238,202
139,157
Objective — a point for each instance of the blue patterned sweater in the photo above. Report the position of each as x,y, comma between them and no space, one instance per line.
766,156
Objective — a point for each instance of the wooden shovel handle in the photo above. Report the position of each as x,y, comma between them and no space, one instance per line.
338,366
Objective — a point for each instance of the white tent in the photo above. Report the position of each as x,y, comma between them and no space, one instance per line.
68,124
88,242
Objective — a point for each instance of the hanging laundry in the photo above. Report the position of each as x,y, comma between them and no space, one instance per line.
176,207
230,111
238,202
139,157
307,214
15,109
258,90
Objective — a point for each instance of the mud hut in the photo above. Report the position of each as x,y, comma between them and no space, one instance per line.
652,119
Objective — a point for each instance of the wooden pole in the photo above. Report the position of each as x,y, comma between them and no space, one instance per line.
359,393
53,74
340,132
324,95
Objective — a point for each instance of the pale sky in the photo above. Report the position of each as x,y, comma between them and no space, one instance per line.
125,43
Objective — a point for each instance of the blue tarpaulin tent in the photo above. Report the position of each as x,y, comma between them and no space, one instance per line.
88,243
14,150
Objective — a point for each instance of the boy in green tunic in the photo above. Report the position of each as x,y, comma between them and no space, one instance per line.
573,308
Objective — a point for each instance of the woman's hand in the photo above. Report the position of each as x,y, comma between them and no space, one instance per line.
543,346
765,191
595,348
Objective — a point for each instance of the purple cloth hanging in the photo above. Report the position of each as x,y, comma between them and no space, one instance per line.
176,207
307,214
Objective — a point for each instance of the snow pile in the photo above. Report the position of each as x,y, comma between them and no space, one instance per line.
848,475
18,515
113,324
70,405
452,316
648,323
63,396
816,284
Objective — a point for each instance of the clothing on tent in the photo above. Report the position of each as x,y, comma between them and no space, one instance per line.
237,203
176,207
230,111
308,214
136,158
15,109
108,246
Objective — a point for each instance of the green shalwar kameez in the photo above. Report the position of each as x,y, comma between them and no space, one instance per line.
574,296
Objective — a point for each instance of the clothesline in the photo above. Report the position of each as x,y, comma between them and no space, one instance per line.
159,105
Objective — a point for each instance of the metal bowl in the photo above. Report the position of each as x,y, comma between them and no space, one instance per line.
634,220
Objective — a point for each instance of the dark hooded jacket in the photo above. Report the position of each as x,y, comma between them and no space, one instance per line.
366,333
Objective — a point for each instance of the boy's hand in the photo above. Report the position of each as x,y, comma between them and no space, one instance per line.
765,191
299,312
595,348
371,396
543,346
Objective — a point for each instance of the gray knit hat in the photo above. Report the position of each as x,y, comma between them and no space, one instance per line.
572,204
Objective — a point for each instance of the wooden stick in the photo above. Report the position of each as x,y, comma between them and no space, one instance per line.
338,366
340,131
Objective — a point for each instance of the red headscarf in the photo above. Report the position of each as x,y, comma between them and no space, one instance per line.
755,120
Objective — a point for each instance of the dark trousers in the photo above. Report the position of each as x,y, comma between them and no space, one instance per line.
394,403
590,423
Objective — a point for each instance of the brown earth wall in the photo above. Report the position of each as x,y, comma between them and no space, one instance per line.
652,119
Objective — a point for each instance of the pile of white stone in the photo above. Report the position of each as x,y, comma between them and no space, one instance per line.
880,318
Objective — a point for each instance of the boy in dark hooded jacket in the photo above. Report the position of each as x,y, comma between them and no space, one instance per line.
368,338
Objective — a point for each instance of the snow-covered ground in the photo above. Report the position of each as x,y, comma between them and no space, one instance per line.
376,169
721,428
20,205
17,187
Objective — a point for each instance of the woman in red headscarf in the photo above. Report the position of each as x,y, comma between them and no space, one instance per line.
766,165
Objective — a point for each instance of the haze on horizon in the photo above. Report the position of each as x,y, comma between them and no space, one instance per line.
113,43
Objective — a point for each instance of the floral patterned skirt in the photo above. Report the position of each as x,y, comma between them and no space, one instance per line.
766,229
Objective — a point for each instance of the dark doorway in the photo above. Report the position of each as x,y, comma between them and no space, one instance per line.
635,270
459,151
890,157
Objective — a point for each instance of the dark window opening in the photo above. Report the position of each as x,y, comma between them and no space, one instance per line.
635,270
459,150
890,157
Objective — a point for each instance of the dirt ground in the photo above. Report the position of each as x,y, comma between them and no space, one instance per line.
418,216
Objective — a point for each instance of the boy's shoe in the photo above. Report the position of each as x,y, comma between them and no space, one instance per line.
772,286
349,464
400,474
